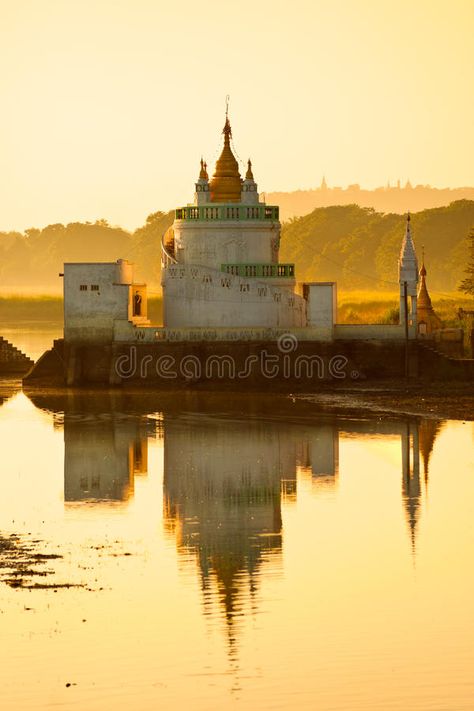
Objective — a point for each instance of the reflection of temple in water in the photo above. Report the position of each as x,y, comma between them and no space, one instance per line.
317,449
222,499
102,456
224,483
225,480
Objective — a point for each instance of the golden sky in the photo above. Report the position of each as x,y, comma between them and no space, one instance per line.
107,105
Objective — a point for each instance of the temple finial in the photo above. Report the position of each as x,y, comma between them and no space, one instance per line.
249,174
203,172
423,268
227,131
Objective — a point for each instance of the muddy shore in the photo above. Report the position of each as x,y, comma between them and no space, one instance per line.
444,401
436,400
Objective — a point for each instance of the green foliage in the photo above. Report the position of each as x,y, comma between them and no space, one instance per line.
391,316
35,259
359,248
467,285
146,247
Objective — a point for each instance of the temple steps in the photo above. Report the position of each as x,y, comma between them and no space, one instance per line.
434,363
12,360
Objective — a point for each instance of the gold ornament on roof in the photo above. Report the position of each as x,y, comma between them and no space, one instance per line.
203,173
226,183
249,174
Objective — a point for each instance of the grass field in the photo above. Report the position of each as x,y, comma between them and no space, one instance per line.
383,307
41,309
353,307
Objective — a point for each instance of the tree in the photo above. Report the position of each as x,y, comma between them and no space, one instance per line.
467,285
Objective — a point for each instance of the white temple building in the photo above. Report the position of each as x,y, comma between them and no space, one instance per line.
222,279
220,258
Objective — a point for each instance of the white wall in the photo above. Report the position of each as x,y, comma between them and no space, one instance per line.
196,296
89,313
213,243
322,303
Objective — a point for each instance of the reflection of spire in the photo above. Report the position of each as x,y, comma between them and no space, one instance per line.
411,491
429,430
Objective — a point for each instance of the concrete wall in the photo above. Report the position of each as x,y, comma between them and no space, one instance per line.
321,300
95,294
287,366
379,332
196,296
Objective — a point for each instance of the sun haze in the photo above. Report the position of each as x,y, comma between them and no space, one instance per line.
108,105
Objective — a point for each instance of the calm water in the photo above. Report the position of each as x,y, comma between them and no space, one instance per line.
236,553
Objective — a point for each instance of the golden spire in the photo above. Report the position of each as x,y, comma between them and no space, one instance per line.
422,270
424,300
249,174
226,183
203,174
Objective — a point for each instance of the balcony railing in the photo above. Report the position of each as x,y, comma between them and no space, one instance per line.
260,271
228,212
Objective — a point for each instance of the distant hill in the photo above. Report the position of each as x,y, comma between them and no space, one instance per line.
356,246
359,247
387,199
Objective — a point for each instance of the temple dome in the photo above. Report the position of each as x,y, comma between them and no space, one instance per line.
226,183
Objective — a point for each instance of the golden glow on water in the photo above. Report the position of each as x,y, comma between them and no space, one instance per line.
236,559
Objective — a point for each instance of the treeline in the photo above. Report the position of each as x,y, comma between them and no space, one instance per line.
355,246
34,259
359,247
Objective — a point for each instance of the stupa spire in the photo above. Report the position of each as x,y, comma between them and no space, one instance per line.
424,299
407,253
226,182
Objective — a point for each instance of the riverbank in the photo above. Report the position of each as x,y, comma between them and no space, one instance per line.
439,401
444,401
